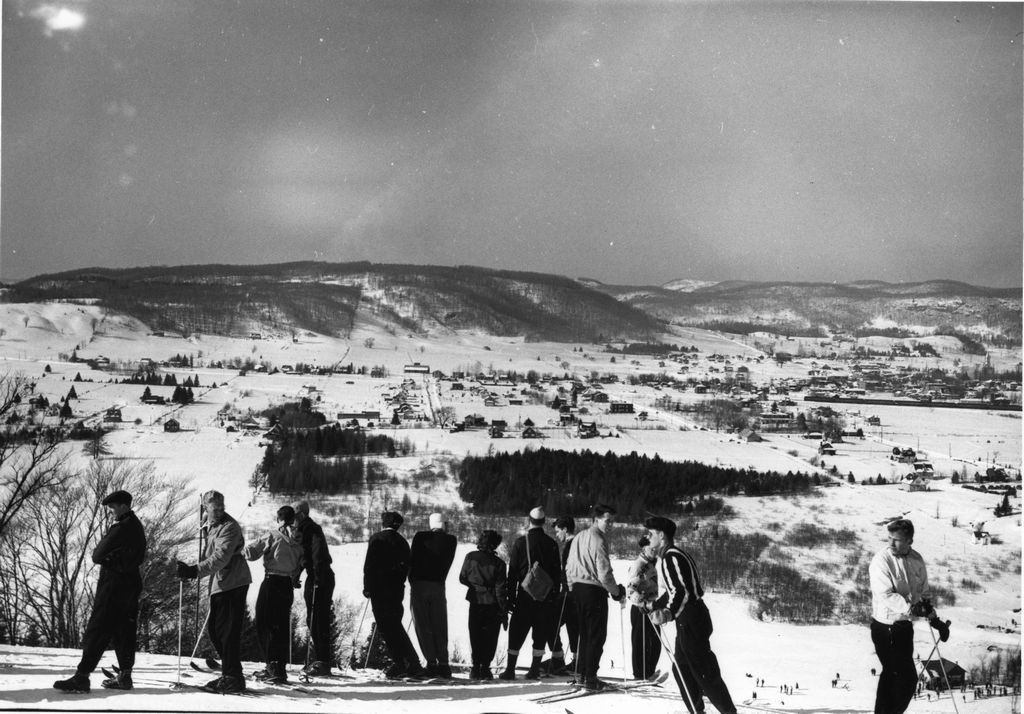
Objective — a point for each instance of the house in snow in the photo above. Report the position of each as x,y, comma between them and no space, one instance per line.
172,425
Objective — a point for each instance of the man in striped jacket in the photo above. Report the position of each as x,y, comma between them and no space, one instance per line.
696,670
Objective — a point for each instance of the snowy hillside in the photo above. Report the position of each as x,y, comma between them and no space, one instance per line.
985,578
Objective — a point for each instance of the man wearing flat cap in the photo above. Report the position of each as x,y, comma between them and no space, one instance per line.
385,569
115,608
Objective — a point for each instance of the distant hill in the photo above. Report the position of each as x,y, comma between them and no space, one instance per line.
814,308
332,298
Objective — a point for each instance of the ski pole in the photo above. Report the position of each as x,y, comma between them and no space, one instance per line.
199,636
672,658
373,639
622,639
355,637
181,593
942,668
643,647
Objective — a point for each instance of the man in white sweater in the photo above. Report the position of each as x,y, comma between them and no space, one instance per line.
588,570
899,592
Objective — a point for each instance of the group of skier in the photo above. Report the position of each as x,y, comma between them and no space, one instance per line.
548,582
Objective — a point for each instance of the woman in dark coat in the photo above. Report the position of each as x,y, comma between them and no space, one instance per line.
484,574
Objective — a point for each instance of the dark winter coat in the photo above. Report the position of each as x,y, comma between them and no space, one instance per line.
484,573
387,564
120,552
316,557
543,550
432,555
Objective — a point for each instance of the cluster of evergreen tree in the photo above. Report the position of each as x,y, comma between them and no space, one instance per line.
571,482
183,395
334,440
298,470
151,378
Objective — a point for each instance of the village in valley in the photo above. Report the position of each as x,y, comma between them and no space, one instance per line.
877,427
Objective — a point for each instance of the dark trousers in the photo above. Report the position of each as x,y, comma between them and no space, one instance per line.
319,601
531,615
566,606
646,647
114,619
592,613
227,612
484,627
387,613
894,645
273,617
430,616
699,666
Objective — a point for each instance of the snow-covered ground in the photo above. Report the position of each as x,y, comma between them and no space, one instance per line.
205,455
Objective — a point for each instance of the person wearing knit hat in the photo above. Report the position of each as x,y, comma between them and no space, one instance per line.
484,573
433,552
115,609
528,612
385,569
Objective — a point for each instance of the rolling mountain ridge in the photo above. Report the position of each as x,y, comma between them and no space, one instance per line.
333,298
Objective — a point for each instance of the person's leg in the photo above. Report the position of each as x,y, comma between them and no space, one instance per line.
419,603
686,678
231,629
490,627
518,627
263,619
652,646
886,691
95,638
126,629
324,610
279,616
439,622
697,628
905,671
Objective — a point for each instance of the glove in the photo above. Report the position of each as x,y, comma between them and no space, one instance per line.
922,608
366,593
941,627
660,617
622,594
187,572
503,618
296,582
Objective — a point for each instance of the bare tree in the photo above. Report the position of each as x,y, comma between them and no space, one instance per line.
53,579
30,462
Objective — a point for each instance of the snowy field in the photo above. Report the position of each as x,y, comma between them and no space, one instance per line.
206,456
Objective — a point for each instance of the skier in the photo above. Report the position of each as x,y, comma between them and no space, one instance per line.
899,593
529,612
228,586
115,608
588,570
565,531
484,574
318,592
641,591
696,667
282,563
433,552
384,572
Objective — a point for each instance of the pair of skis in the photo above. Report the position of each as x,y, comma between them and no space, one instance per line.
576,691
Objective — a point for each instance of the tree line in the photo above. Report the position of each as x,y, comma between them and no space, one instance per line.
572,482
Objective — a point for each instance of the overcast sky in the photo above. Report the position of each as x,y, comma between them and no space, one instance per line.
631,142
